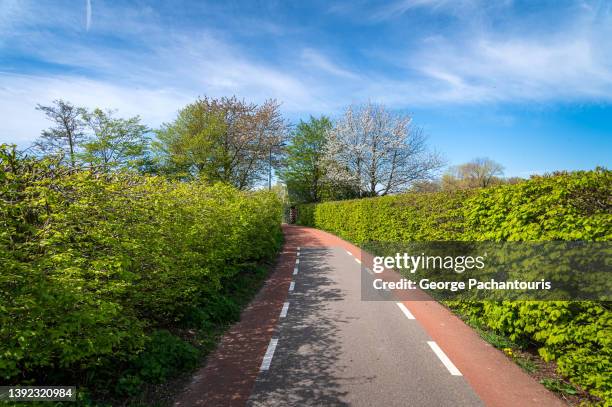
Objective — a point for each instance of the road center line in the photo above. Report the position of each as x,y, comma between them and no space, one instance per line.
292,286
445,360
265,364
283,313
295,270
405,310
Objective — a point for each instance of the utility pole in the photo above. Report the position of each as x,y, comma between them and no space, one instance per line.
270,170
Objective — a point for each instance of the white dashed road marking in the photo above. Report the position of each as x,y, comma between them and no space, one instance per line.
283,313
349,253
358,261
295,270
265,365
405,310
292,286
445,360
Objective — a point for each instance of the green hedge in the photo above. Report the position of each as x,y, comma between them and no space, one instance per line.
95,266
406,217
564,206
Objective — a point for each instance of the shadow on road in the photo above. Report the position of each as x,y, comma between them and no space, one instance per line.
306,369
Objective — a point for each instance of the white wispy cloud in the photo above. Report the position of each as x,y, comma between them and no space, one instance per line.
319,61
522,63
87,14
567,68
170,71
19,95
396,8
12,12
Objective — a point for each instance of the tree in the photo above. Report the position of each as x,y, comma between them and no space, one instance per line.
225,140
478,173
189,146
114,142
426,186
378,152
304,170
64,137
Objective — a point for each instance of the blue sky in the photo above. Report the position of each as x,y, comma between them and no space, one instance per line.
528,84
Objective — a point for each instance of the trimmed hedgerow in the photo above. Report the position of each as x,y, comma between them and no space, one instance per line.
406,217
563,206
98,268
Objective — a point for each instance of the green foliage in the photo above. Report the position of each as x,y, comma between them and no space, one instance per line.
558,386
193,144
95,138
115,142
492,337
406,217
565,206
568,206
165,355
63,139
92,264
222,140
304,170
526,364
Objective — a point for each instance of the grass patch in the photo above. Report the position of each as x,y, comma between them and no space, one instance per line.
526,364
559,386
495,339
510,348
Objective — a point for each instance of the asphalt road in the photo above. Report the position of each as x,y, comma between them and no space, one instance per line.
331,348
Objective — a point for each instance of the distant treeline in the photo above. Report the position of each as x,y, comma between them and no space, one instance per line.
367,151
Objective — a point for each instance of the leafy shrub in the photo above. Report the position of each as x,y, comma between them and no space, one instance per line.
406,217
92,263
567,206
164,356
564,206
221,308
